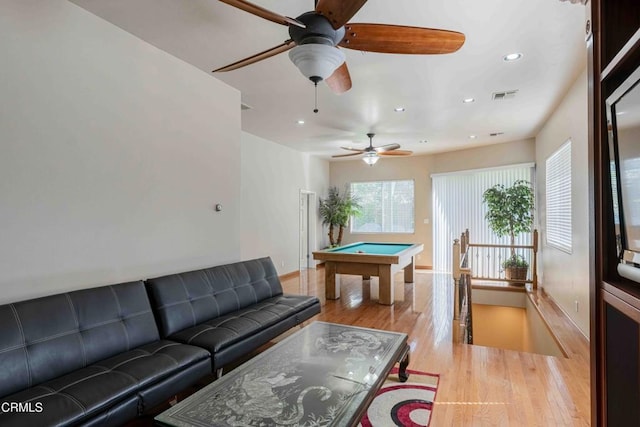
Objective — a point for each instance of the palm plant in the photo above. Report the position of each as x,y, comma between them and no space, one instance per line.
336,210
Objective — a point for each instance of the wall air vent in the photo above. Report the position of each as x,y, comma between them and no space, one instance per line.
244,106
508,94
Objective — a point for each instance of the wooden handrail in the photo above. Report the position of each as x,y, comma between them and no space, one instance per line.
463,274
487,245
456,260
462,290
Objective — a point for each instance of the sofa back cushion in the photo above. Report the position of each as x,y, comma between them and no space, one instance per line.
44,338
188,299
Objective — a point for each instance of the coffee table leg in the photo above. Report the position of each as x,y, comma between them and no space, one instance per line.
404,362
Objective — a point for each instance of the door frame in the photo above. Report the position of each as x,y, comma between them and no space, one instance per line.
311,220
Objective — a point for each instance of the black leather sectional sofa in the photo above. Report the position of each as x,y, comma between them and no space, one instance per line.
104,356
230,310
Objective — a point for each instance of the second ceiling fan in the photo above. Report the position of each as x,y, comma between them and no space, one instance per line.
316,35
372,154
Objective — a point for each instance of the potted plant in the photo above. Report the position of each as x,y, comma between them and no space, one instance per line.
515,268
509,213
336,210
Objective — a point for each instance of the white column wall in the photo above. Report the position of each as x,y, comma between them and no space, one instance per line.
272,177
566,276
113,156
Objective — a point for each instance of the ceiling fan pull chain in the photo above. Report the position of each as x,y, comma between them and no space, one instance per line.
315,110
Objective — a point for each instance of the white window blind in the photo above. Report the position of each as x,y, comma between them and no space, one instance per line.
558,197
457,206
387,207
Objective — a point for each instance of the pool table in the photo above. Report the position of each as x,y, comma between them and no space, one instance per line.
369,259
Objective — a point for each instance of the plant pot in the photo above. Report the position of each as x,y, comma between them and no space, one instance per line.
516,275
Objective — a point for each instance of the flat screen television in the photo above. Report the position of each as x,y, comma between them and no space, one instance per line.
623,125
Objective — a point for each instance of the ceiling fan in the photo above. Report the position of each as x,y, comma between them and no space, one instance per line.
372,154
316,35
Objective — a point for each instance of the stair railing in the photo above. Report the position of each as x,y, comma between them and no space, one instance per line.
485,260
462,313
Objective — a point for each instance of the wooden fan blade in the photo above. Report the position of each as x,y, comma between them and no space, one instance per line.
348,155
338,12
259,56
340,81
384,38
263,13
387,147
353,149
396,153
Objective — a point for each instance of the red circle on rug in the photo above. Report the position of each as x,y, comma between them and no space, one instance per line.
401,412
403,405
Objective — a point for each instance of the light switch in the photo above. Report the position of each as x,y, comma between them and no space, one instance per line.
426,220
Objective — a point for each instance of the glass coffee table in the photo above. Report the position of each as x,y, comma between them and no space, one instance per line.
326,374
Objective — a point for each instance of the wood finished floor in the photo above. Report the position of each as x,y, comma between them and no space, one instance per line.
479,386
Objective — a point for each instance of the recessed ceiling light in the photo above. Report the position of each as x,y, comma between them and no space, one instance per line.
473,136
512,57
468,100
300,122
399,109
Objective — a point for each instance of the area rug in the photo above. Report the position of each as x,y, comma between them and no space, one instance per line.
403,404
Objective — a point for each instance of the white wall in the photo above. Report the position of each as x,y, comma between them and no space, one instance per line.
113,155
417,168
272,177
420,168
566,276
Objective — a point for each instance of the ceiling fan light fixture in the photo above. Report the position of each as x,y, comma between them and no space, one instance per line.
316,61
371,158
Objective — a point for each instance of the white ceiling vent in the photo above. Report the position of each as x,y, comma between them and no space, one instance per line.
508,94
496,133
244,106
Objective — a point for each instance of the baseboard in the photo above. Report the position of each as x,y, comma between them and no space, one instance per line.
290,275
424,267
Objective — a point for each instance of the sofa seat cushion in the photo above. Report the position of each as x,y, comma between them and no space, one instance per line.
153,362
85,392
219,333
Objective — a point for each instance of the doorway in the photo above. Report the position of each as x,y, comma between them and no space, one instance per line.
307,228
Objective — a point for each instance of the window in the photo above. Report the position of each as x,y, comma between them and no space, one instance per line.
558,191
387,207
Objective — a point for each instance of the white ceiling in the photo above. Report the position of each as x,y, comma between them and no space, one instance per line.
209,34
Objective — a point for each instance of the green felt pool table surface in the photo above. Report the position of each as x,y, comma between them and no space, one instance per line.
373,248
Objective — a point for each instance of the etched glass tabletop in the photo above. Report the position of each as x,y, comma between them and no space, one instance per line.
326,374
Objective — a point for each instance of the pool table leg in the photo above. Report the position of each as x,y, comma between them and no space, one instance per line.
409,271
331,280
385,284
